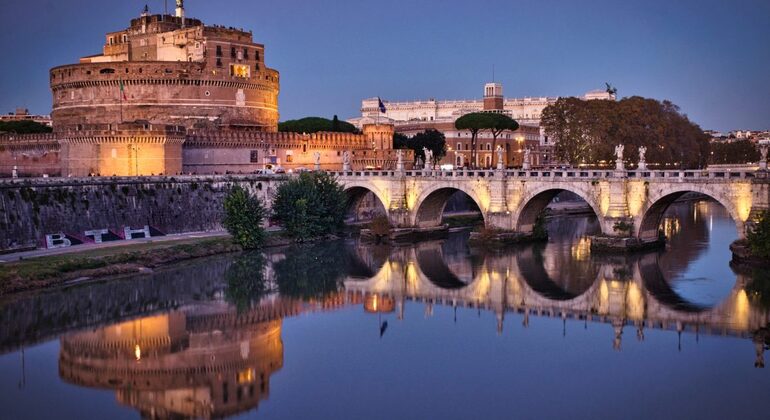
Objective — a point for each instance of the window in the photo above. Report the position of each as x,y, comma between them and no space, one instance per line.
256,55
219,50
254,156
107,71
219,62
245,54
125,38
459,146
240,70
489,146
289,158
232,52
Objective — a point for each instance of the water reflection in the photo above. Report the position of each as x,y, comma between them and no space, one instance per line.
204,340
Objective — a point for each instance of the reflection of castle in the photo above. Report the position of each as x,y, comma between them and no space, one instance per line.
165,368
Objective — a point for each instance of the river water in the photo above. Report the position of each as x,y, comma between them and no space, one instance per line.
433,330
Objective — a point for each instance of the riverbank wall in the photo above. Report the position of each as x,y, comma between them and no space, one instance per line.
51,212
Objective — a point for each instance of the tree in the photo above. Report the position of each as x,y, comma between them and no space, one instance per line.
585,132
741,151
478,121
243,218
24,127
310,205
500,123
758,236
431,139
316,124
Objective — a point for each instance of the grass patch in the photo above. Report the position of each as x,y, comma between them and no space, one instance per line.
53,270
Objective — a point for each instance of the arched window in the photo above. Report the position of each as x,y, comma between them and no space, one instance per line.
489,146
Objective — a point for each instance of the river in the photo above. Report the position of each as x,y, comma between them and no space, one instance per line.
431,330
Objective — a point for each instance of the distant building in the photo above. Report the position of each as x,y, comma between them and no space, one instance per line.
22,114
415,116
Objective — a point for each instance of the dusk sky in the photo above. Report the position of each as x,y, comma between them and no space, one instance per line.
712,58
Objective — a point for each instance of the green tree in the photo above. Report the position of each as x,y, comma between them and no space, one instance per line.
310,205
758,235
24,127
316,124
741,151
243,218
433,140
478,121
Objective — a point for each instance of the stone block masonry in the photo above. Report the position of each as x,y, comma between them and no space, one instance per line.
32,209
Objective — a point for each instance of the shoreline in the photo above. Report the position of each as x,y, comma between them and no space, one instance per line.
81,266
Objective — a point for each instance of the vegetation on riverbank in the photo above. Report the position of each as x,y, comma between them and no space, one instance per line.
244,215
310,206
56,270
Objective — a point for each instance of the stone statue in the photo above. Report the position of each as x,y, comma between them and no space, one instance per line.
642,162
345,160
428,157
527,164
619,151
499,157
15,172
619,155
400,162
317,159
763,146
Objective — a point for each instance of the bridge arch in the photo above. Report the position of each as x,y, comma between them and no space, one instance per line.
537,199
430,204
356,193
647,225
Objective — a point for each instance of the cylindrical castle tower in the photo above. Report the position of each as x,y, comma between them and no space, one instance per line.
169,70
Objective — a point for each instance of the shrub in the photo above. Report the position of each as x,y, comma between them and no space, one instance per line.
758,235
243,218
310,205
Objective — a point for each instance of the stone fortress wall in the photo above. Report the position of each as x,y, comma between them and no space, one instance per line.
32,209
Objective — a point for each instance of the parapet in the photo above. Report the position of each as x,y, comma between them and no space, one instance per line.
251,139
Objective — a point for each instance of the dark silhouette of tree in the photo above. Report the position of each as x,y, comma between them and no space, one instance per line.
24,127
741,151
316,124
433,140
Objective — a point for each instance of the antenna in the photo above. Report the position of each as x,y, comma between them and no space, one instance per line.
165,7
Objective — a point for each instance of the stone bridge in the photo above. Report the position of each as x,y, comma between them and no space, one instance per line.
511,200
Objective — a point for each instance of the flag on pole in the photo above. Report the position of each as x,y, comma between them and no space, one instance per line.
381,105
122,90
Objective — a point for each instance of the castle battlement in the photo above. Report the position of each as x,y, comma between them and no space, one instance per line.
250,139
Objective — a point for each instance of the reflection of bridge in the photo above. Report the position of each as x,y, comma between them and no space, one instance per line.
512,200
624,292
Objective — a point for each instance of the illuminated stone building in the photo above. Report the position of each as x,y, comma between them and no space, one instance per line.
170,95
170,70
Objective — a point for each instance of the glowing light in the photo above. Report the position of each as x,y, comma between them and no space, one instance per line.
138,352
581,250
246,376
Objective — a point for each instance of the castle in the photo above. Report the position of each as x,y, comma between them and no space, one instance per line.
171,95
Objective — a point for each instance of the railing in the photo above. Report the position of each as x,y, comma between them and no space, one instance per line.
556,174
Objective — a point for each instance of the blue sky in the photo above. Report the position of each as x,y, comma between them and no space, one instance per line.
712,58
